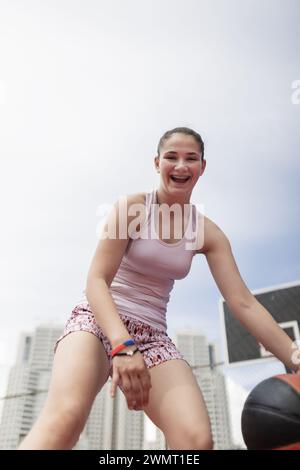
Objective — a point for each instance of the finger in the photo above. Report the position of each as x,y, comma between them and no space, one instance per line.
144,398
146,380
137,391
115,380
127,387
146,385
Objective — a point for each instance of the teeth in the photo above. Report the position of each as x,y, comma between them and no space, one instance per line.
180,178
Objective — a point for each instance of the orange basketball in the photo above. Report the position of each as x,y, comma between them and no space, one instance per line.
271,414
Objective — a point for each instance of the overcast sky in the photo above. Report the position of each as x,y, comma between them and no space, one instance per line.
87,88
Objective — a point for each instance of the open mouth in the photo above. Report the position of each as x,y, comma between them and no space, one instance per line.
180,180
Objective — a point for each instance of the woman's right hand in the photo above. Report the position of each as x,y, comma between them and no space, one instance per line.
135,379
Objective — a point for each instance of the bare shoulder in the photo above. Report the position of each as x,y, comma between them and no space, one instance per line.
135,206
113,239
133,199
136,198
212,237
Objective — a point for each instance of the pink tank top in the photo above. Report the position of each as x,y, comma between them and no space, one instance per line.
142,285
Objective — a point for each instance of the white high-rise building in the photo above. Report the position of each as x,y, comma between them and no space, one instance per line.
110,424
27,385
201,356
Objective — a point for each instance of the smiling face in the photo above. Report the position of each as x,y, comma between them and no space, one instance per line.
180,164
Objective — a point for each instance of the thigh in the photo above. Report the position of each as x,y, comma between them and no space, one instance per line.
176,405
80,369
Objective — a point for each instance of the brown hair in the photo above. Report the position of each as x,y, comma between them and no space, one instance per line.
182,130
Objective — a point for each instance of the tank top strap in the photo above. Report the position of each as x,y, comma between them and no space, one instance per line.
153,196
190,228
146,220
149,199
194,215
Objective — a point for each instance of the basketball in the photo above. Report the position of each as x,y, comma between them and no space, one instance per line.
271,414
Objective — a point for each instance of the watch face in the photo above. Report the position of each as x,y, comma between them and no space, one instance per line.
130,353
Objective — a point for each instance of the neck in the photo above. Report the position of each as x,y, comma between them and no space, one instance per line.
164,198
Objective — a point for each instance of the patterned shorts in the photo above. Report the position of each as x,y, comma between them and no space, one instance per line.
154,344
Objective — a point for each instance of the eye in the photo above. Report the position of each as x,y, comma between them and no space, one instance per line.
170,158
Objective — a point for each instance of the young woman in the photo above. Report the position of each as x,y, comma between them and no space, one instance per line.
127,291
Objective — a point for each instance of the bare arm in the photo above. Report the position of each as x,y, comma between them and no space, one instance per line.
245,307
105,312
103,268
131,372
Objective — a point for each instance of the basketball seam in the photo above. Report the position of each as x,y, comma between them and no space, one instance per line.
277,412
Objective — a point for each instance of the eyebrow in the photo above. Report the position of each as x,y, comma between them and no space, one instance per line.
187,153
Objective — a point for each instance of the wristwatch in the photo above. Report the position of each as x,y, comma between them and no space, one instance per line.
127,353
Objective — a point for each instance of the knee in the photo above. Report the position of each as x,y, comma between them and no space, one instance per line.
192,439
202,441
66,421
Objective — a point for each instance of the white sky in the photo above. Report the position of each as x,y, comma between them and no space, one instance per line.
86,91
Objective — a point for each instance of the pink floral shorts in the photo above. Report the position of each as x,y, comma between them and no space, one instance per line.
154,344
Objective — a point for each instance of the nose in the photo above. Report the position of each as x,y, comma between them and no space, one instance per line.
180,164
